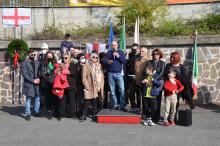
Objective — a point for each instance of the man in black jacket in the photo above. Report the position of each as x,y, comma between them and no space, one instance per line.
133,89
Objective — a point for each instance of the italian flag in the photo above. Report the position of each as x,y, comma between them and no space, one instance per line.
123,37
195,66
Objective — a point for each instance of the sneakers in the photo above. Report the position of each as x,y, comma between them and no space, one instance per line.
172,123
149,122
166,124
145,123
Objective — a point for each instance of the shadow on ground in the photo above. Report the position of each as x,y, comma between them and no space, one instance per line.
212,107
13,110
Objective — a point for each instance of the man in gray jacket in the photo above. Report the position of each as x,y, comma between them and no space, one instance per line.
30,71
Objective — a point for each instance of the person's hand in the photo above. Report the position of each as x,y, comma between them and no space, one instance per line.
36,81
174,91
145,81
110,61
127,54
64,50
172,81
116,54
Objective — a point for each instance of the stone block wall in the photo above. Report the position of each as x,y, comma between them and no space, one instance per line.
209,72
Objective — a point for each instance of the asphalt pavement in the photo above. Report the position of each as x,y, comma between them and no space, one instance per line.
15,131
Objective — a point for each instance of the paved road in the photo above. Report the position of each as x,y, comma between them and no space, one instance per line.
15,131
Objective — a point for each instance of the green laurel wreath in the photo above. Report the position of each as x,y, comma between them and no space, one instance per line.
20,46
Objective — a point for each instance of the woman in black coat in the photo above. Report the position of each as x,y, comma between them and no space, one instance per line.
46,84
71,92
181,75
159,66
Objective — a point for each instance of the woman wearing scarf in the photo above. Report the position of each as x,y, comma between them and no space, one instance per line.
47,78
93,81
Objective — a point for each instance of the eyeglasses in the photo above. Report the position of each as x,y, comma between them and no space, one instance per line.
155,53
32,55
95,57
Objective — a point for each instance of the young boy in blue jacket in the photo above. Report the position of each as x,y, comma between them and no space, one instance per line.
152,86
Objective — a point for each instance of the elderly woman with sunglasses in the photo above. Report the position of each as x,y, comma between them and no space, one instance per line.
68,101
93,81
159,67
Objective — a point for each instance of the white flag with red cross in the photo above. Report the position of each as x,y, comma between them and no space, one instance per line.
13,17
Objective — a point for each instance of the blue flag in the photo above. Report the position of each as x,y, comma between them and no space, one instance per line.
111,36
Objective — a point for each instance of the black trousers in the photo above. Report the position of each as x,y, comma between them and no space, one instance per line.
156,117
151,106
70,102
79,102
60,110
133,93
92,103
50,99
99,102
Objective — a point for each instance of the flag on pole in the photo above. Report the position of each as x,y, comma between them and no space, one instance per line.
111,36
136,31
195,72
13,17
123,37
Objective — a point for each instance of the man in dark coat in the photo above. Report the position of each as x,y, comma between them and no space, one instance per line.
30,71
133,89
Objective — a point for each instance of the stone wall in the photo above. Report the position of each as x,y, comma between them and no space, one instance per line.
208,57
209,70
96,15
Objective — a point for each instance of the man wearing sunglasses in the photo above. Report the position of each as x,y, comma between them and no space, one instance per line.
30,71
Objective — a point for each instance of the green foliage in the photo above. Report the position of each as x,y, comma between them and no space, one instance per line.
90,30
142,8
153,22
17,45
169,28
49,32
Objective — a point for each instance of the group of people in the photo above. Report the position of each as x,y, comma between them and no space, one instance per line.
79,84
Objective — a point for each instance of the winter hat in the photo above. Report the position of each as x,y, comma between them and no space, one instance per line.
44,46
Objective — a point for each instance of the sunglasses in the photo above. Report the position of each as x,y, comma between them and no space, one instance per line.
65,58
32,55
95,57
155,53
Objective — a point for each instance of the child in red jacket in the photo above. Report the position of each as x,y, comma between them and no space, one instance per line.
172,87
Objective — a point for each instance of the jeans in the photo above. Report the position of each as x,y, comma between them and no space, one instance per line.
28,105
117,79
